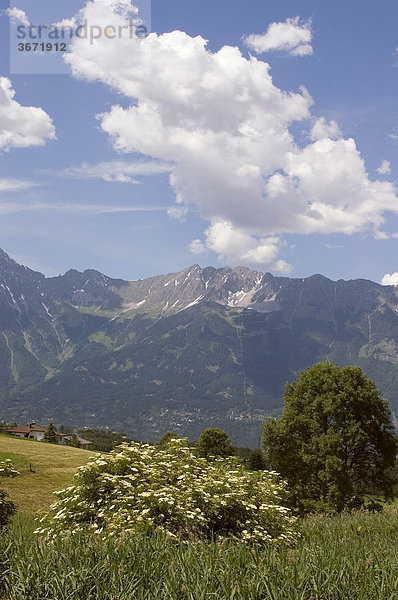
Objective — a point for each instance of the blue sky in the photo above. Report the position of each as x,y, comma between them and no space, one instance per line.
290,195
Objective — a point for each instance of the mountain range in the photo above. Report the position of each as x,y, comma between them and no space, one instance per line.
182,351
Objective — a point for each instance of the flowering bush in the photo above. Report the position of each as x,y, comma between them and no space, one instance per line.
7,469
141,488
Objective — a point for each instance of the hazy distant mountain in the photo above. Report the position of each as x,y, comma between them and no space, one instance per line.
181,351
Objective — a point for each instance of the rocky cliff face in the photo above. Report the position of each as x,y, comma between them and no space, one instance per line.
181,351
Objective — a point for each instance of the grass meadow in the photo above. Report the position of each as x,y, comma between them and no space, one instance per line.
44,469
344,557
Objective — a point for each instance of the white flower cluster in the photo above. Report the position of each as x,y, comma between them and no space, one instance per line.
140,488
7,469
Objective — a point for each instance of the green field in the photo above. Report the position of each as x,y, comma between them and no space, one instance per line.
52,469
344,557
348,557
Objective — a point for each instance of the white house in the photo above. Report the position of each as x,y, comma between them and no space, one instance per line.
30,431
65,437
35,432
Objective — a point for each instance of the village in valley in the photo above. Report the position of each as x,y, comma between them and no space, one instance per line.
32,431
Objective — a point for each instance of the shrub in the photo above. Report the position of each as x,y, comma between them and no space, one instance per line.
141,488
7,469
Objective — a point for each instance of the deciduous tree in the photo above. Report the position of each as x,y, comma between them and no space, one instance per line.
334,440
214,442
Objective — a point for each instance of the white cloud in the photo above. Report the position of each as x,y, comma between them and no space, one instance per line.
197,247
334,246
15,185
65,24
178,212
17,15
322,129
236,246
385,167
293,36
7,208
21,126
390,279
117,171
225,127
394,135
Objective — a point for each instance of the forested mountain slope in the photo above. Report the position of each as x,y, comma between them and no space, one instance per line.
181,351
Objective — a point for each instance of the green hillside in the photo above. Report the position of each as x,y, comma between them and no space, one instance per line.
52,469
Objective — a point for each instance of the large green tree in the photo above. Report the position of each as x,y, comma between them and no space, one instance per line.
214,442
334,440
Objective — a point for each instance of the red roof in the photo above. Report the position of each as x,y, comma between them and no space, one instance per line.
26,429
33,427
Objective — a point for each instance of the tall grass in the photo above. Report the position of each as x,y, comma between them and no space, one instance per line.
347,557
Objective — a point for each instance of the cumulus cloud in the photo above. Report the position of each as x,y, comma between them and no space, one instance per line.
323,129
17,15
385,167
117,171
232,244
224,126
390,279
293,36
21,126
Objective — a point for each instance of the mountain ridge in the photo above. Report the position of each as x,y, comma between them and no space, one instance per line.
183,350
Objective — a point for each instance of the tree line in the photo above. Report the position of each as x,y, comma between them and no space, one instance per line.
334,444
